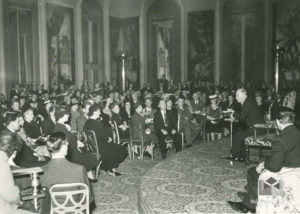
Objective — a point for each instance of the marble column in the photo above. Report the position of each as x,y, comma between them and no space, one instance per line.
78,44
106,31
43,46
218,39
2,57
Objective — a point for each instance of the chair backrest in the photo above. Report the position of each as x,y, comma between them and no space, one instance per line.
178,123
69,198
91,142
141,133
117,140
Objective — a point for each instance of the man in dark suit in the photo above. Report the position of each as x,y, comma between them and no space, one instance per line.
196,104
285,153
165,128
251,115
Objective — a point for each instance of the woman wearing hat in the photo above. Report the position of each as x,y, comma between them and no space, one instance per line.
214,115
88,160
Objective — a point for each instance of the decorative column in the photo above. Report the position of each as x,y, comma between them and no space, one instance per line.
143,46
106,39
2,57
243,48
268,50
43,46
218,39
78,44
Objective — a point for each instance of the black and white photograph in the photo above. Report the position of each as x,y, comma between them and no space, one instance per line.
149,106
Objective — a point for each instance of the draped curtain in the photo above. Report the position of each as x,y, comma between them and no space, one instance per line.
201,45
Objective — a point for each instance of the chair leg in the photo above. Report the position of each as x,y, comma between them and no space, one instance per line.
133,148
129,151
98,169
142,153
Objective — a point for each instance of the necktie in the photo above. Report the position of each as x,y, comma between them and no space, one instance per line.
165,119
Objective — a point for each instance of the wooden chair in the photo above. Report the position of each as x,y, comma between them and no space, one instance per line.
141,146
121,141
69,198
92,143
180,132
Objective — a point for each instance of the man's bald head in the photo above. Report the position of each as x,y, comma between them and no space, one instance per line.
241,95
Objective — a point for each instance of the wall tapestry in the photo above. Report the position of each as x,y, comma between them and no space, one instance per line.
124,38
60,37
201,45
288,38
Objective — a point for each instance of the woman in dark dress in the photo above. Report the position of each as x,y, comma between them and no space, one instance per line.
86,159
127,111
111,154
122,125
48,124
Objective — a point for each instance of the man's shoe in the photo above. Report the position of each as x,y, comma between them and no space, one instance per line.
242,195
93,180
188,146
117,173
240,207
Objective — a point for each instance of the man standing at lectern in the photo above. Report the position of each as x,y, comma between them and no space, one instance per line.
251,115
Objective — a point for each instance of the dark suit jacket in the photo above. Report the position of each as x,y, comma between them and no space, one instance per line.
197,107
250,113
48,126
285,150
159,122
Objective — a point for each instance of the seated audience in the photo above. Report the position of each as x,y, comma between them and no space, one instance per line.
48,124
187,123
80,121
75,114
165,129
111,154
214,119
75,154
138,127
122,125
127,111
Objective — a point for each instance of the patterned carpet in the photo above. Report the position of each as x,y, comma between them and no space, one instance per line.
195,180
